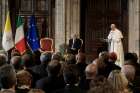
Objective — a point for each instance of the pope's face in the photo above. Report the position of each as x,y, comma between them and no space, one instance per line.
113,27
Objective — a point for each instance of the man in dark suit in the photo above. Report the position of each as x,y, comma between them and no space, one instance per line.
53,81
75,44
40,70
71,78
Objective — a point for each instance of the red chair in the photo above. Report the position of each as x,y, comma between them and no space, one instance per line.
46,45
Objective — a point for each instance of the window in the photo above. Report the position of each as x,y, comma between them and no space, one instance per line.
42,11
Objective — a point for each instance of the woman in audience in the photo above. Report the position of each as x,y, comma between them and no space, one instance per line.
101,85
119,81
24,81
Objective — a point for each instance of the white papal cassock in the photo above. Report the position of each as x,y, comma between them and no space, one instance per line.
115,45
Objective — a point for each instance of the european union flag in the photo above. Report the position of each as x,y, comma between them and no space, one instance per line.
32,37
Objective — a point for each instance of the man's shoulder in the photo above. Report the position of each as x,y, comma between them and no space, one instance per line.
42,80
59,91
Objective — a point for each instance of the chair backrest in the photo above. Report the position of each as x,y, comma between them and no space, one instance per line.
81,42
46,44
79,50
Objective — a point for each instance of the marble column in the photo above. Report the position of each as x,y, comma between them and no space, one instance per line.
59,23
134,26
72,18
67,21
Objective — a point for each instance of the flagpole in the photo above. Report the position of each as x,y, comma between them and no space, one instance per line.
65,25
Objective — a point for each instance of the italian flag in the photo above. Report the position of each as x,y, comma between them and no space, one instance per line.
20,44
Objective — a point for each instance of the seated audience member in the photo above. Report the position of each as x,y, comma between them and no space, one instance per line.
107,63
90,72
111,64
131,59
36,91
112,60
16,62
119,81
95,61
129,72
56,56
97,81
101,86
24,81
80,58
7,78
7,91
81,64
27,63
71,59
71,78
52,82
45,58
3,59
75,44
103,61
104,56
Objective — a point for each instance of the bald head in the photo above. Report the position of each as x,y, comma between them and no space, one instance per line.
91,71
80,58
129,72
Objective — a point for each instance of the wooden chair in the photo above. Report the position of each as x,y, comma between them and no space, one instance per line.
46,45
81,42
79,50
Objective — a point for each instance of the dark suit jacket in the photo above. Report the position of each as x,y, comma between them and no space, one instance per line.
105,71
81,67
22,90
76,45
50,84
40,70
70,89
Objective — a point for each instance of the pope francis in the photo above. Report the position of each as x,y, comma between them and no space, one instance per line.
115,44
